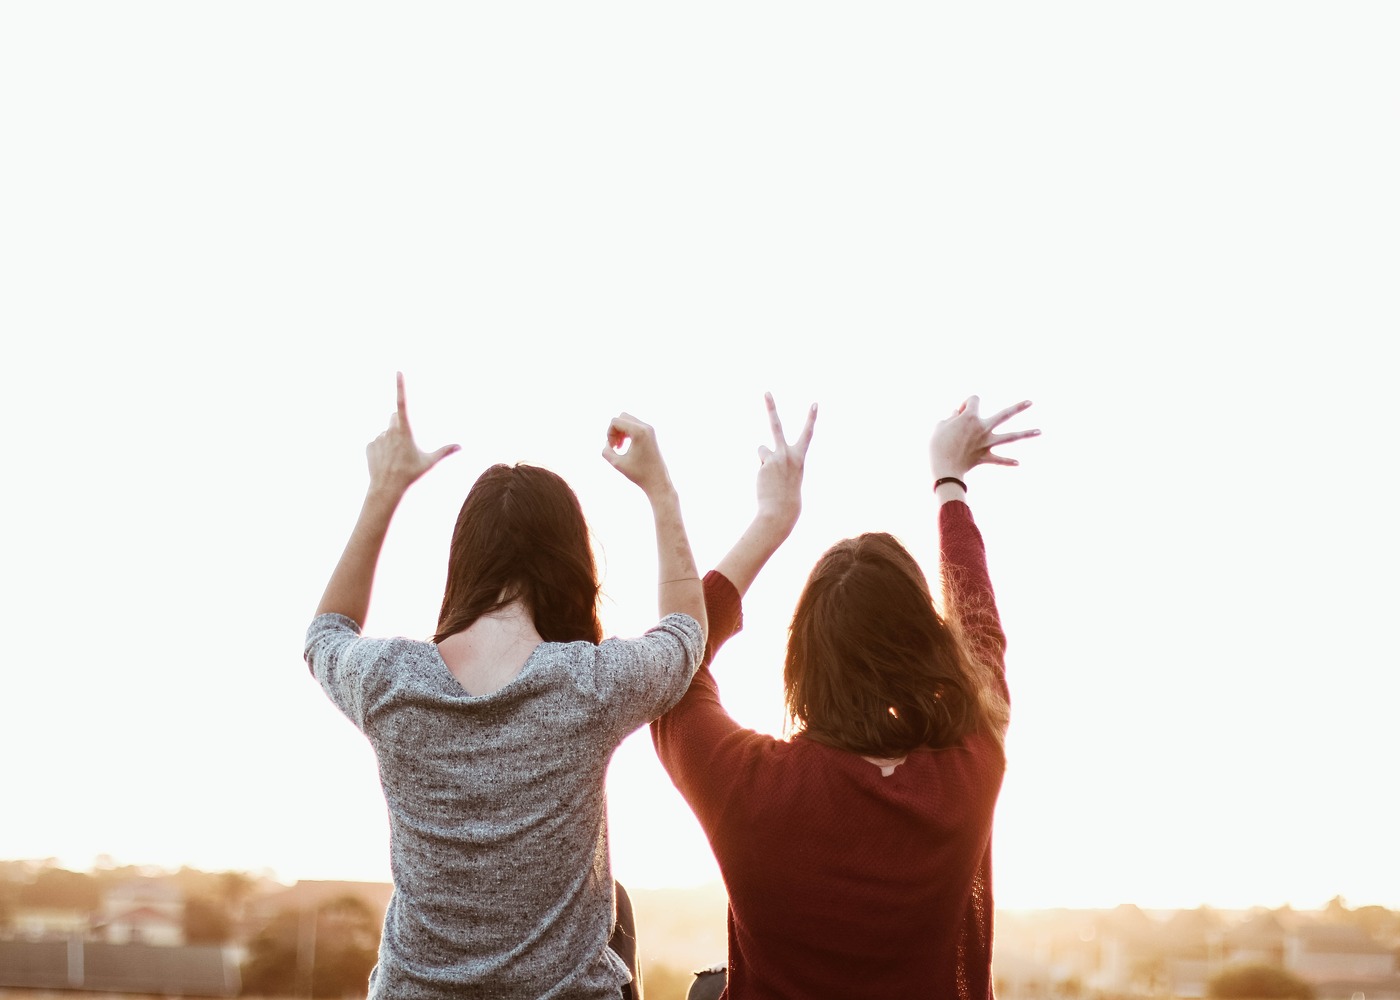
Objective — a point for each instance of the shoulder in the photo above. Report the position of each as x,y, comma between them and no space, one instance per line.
334,638
682,626
331,624
676,638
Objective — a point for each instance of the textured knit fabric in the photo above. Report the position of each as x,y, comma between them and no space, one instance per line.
843,882
497,820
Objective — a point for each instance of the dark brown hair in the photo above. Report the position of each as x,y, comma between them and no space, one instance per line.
521,536
871,665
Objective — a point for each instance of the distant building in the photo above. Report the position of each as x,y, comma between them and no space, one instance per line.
1127,952
36,923
1343,961
143,925
153,896
96,966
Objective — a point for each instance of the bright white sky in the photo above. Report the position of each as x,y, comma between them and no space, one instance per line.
1173,226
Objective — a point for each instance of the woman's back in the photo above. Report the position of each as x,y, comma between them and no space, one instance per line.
837,874
498,836
842,881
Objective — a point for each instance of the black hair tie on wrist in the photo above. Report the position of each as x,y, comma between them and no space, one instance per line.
950,479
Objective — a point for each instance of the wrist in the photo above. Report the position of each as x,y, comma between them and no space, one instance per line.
947,488
775,523
381,494
662,494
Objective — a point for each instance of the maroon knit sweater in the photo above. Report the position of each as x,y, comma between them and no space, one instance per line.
843,882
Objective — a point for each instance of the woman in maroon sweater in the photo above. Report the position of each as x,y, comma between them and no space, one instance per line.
857,855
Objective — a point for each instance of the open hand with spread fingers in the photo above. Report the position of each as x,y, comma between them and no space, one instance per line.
395,461
966,439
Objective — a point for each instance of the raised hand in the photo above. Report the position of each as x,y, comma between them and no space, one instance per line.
780,469
394,464
965,439
395,461
641,461
779,501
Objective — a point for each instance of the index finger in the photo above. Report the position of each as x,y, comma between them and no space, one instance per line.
403,405
1004,415
773,421
805,438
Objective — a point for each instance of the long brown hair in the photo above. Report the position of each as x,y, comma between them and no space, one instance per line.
521,535
871,665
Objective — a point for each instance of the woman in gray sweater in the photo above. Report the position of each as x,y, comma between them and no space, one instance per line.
493,739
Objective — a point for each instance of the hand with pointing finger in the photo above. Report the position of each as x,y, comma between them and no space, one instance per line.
395,461
965,439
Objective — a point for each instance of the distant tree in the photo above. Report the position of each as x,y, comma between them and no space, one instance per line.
206,921
235,888
1258,982
327,951
271,966
62,889
109,877
347,945
1377,921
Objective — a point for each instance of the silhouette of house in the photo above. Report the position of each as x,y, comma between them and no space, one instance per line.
148,895
143,925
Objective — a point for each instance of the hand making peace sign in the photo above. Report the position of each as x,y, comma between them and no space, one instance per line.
780,468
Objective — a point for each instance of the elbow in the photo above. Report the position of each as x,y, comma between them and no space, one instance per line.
698,613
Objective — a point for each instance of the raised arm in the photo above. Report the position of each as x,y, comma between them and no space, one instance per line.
692,740
959,444
679,588
779,501
395,463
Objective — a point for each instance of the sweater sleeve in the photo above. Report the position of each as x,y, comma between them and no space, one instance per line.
967,587
638,679
344,663
698,742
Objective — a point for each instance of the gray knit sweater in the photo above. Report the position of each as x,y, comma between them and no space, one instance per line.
497,813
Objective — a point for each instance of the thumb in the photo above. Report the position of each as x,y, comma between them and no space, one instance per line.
443,452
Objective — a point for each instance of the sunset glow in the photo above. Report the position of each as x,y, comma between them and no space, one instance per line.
1173,228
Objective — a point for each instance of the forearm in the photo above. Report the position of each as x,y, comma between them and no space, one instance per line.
763,537
679,588
967,586
348,591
